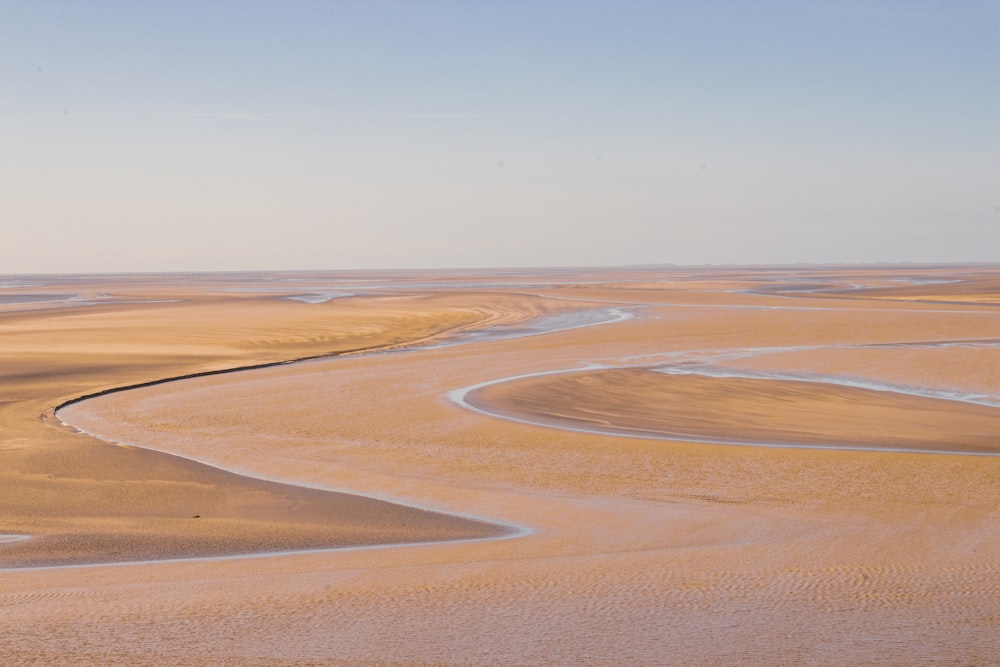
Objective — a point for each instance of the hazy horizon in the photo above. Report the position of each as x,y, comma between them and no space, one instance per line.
528,270
193,137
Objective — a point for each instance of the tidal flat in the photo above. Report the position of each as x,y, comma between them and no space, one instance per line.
633,466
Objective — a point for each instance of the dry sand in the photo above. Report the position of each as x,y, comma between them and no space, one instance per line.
642,551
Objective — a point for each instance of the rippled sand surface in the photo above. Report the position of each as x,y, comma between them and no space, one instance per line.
745,410
641,550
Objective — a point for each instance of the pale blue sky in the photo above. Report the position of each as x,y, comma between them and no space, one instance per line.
159,136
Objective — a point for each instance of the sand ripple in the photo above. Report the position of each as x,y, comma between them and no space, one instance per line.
740,410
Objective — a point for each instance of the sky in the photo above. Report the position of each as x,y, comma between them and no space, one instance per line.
198,135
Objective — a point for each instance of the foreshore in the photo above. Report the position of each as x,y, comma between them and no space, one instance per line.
641,551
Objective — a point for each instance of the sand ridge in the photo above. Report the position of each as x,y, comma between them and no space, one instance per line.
723,407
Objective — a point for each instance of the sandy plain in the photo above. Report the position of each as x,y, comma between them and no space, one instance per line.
582,508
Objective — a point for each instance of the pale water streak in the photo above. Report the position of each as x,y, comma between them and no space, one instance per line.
542,325
704,368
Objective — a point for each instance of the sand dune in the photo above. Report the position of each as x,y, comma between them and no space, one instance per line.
641,551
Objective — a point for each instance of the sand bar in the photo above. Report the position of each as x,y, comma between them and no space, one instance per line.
643,402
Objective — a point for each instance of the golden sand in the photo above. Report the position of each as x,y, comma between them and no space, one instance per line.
86,501
642,551
737,410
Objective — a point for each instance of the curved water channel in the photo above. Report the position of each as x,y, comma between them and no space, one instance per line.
706,363
538,326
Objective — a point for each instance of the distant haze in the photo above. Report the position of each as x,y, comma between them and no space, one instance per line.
178,136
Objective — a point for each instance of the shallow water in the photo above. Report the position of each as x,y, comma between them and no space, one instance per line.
32,298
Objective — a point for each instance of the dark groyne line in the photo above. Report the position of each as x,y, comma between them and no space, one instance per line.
253,367
375,349
239,369
200,374
249,367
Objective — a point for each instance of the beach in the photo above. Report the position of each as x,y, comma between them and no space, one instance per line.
638,466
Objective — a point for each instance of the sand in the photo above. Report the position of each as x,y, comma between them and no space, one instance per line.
756,411
612,550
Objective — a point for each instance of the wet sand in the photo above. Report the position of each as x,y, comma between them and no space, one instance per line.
84,501
641,550
745,411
